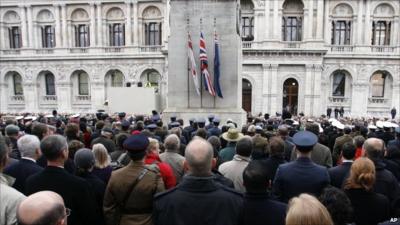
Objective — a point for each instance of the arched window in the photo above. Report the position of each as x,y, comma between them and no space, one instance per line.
80,22
342,25
115,78
247,9
152,26
46,21
116,27
17,83
83,83
382,24
50,86
339,84
151,78
12,22
292,20
378,81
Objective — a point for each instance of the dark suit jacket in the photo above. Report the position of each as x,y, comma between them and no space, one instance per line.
74,190
271,165
339,173
260,209
300,176
21,171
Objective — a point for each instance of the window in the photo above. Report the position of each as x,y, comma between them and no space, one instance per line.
153,33
117,34
116,79
247,28
82,38
378,85
48,37
381,33
50,87
341,32
83,83
15,37
17,80
339,84
292,28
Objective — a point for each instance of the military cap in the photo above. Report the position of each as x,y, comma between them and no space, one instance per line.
175,124
84,158
192,120
305,139
201,120
125,123
136,143
121,114
216,120
151,126
19,118
258,128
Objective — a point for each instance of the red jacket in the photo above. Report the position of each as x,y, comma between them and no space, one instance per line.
165,170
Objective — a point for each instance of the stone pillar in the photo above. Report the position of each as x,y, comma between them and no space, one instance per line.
64,95
3,97
360,94
24,27
396,96
368,24
267,22
135,23
128,23
64,25
31,38
265,88
395,32
97,94
3,32
308,91
327,25
70,34
317,101
320,19
99,32
274,107
92,24
58,25
165,31
276,21
31,101
310,24
258,25
37,35
359,23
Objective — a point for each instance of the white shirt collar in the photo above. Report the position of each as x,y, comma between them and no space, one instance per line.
28,158
346,160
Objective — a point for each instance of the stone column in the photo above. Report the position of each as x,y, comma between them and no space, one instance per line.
276,28
310,19
37,35
24,29
327,25
31,101
395,32
267,18
135,23
3,32
92,25
99,32
320,19
359,23
58,25
128,23
308,92
64,25
274,107
31,38
317,101
258,25
359,103
70,34
368,24
396,96
265,88
97,94
64,94
3,97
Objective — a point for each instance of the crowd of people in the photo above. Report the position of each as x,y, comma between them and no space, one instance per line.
117,169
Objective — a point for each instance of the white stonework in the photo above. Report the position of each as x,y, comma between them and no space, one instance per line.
266,63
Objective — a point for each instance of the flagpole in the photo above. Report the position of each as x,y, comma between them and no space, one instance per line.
201,72
188,67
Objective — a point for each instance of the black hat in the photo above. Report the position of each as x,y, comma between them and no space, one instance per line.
121,114
151,126
125,123
136,143
175,124
305,139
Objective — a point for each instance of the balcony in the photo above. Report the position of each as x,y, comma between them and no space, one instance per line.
17,98
382,49
17,101
44,51
377,100
291,44
12,52
78,50
342,48
82,98
150,48
114,49
247,44
338,99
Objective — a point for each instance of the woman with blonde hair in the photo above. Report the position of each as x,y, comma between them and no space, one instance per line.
307,210
102,168
369,207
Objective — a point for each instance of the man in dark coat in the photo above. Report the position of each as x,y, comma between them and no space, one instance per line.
301,175
340,172
387,134
329,112
215,130
276,158
396,142
12,135
259,208
74,190
339,142
393,113
198,192
385,183
106,140
29,145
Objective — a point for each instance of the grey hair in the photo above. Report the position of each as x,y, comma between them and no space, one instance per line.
199,155
172,143
28,144
52,146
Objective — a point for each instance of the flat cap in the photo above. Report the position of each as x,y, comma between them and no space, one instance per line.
84,158
11,129
136,143
305,139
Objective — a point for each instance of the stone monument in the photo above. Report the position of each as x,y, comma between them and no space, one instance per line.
210,17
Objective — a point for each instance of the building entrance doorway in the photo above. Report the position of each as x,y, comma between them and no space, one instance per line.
290,96
246,95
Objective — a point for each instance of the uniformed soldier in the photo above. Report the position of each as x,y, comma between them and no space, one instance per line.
210,122
129,195
215,130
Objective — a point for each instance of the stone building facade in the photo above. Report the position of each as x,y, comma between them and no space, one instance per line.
301,55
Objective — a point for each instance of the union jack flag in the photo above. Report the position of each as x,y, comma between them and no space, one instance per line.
204,66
